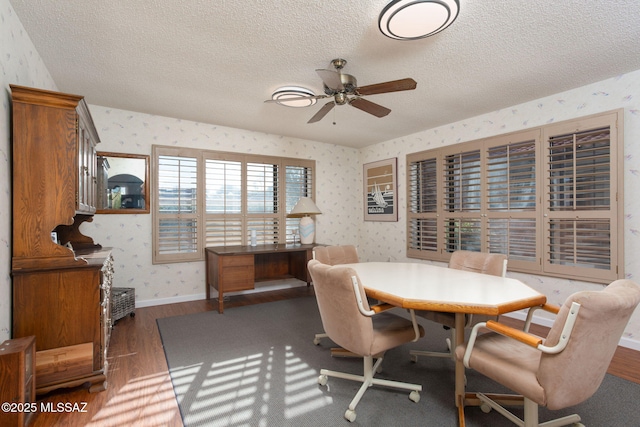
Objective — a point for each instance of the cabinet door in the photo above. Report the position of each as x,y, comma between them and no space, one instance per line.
87,179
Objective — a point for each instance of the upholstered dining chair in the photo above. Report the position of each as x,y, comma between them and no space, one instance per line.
561,370
351,323
479,262
334,255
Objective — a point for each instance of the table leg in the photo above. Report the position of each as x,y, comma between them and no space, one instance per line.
459,369
220,302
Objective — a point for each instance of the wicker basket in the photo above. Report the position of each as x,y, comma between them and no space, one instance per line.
123,302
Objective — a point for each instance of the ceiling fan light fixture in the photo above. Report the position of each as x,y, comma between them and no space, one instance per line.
289,96
417,19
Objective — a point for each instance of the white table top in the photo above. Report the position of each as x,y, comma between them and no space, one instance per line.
430,287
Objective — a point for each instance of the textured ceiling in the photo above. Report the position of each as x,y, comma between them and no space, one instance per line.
217,61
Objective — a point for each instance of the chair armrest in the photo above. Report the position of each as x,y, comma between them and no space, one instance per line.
379,308
551,308
523,336
517,334
502,329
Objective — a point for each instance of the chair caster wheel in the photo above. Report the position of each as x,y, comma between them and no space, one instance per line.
485,408
414,358
350,415
322,380
316,341
414,396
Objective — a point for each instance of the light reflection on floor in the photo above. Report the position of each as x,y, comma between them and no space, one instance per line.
241,391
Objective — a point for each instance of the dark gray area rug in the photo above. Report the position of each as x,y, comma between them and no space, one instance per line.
257,366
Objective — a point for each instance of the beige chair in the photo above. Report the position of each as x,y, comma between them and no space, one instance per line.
352,324
334,255
566,367
479,262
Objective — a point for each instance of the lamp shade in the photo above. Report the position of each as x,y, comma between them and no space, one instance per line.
416,19
304,207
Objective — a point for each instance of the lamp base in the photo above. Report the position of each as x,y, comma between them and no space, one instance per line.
307,230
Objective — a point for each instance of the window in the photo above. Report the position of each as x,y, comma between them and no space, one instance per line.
546,197
208,198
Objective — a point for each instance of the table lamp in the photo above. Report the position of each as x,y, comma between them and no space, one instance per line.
303,210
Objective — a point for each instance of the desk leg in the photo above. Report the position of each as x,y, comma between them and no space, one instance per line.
460,389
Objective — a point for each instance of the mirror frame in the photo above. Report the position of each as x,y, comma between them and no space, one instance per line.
146,209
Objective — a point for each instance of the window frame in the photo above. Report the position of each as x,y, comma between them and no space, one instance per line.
209,232
426,238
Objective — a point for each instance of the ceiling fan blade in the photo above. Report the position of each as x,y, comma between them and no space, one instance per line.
370,107
331,79
322,112
392,86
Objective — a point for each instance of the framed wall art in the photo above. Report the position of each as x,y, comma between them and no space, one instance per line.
380,190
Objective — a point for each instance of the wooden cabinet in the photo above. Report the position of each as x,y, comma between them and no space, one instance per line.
60,290
17,381
72,323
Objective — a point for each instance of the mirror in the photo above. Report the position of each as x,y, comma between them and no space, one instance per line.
123,183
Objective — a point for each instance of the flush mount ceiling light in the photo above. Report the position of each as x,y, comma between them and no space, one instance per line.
413,19
290,96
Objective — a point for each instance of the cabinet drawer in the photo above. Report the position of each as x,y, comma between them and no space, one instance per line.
237,278
236,261
63,363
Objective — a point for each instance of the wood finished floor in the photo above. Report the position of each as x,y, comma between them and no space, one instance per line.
139,387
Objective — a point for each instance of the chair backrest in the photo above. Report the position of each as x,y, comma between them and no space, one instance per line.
574,375
334,255
480,262
341,318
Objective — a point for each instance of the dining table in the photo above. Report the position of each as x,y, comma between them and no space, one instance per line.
421,286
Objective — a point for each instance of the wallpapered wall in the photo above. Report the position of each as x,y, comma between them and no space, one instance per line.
339,176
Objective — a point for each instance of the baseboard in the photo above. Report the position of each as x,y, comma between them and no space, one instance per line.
259,287
544,321
170,300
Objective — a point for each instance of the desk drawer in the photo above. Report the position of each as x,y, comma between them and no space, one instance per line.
236,261
237,279
237,273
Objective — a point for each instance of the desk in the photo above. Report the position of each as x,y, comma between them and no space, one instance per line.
428,287
237,268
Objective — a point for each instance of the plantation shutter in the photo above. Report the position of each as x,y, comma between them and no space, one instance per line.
462,201
422,210
177,208
223,196
511,199
212,198
580,203
550,198
263,202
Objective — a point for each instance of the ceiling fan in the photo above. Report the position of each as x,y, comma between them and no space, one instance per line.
343,88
